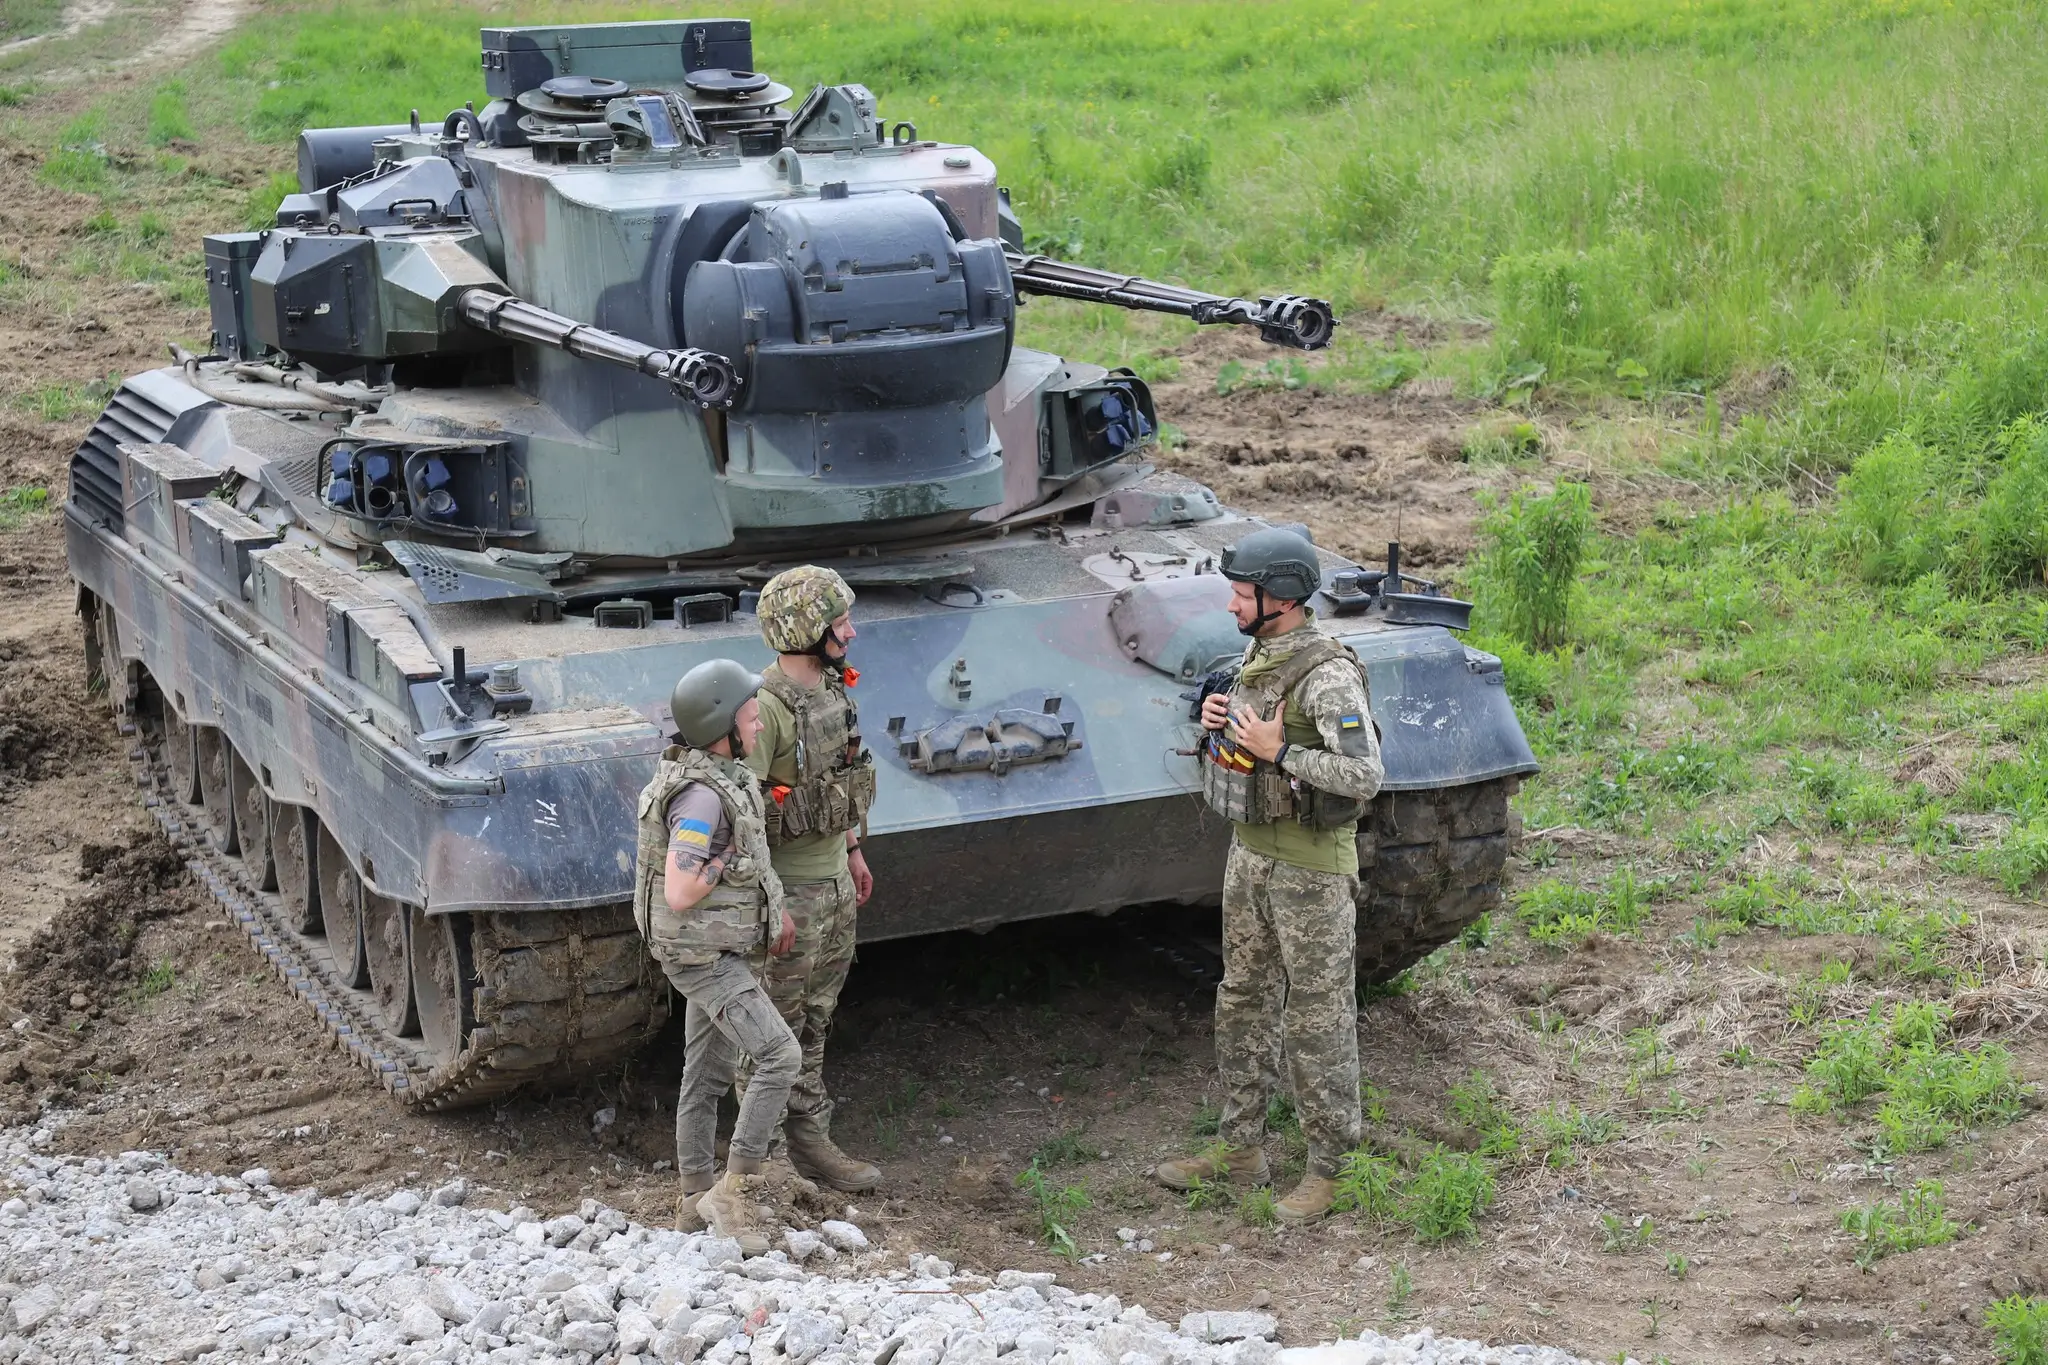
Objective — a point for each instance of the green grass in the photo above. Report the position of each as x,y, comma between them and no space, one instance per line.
1916,1220
1933,1089
1445,1195
22,502
2019,1327
21,18
1064,1149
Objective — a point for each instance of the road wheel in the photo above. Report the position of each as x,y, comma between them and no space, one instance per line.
291,855
216,787
341,911
181,756
388,953
252,824
443,981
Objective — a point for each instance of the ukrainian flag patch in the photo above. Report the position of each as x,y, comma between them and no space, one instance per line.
695,833
1348,722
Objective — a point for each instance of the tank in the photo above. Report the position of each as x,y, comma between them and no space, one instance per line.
501,428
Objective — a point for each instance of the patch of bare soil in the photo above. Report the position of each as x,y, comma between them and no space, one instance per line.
1358,469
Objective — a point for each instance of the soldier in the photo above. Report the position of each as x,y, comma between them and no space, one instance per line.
822,782
706,899
1292,760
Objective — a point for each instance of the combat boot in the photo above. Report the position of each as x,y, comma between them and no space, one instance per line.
729,1209
688,1218
818,1158
1222,1162
1311,1200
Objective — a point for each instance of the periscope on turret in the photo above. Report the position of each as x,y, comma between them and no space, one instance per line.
504,422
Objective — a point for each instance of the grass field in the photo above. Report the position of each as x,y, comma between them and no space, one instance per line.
1771,276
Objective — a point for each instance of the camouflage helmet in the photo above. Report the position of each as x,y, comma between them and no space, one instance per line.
799,605
709,697
1280,561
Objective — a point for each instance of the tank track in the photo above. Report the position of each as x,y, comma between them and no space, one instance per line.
1435,866
559,994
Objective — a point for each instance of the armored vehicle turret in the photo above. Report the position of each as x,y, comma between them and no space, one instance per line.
503,424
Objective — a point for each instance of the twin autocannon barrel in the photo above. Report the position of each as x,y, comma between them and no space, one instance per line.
711,380
1284,320
707,379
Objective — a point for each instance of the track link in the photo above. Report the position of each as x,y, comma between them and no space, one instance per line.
1432,865
559,994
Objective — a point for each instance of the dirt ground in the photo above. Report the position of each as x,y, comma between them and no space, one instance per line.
959,1058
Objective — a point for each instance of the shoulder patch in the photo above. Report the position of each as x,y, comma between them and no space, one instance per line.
695,833
1348,722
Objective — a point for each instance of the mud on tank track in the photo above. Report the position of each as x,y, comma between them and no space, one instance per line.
545,998
553,995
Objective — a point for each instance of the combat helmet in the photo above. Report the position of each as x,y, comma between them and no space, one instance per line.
1282,562
799,605
708,699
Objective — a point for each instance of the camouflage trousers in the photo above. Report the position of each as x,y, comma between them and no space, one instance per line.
805,983
1289,983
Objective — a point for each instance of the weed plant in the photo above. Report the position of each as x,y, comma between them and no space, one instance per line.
1055,1208
2019,1327
1917,1220
1933,1089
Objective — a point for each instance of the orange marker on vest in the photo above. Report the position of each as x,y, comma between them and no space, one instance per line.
850,676
780,794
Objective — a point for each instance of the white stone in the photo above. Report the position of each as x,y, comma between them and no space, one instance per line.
263,1332
404,1203
36,1307
530,1235
677,1348
636,1330
807,1335
452,1301
256,1178
564,1230
588,1303
842,1235
1039,1280
802,1245
143,1195
452,1195
594,1337
1218,1326
420,1323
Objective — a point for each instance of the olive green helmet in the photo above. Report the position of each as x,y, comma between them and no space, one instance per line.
708,697
1283,563
799,605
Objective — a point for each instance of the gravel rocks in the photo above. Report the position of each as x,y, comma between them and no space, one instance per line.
220,1270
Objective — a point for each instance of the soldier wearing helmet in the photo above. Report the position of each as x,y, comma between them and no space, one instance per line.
821,781
708,902
1292,760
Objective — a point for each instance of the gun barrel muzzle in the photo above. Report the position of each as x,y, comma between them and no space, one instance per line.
703,377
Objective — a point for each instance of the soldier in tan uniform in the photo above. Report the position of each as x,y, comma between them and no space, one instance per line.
821,781
1292,760
708,902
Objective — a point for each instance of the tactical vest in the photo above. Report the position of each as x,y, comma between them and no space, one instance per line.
1251,791
835,776
735,916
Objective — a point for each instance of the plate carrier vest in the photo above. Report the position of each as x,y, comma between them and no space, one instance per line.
835,776
1251,791
734,917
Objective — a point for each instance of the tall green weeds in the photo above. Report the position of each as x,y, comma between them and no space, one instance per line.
1528,564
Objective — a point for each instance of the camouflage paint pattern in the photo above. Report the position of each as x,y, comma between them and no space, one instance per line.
1290,983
